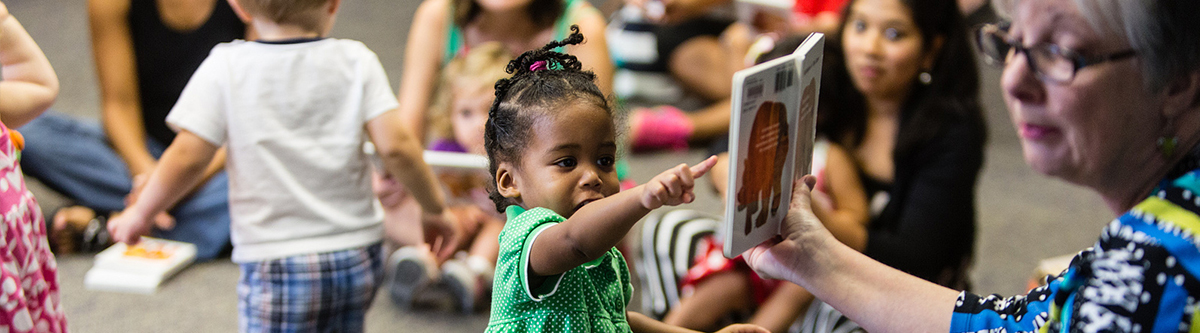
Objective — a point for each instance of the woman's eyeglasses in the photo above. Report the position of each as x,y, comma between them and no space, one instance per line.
1050,62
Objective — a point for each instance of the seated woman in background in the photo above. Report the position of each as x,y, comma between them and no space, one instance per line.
145,52
444,29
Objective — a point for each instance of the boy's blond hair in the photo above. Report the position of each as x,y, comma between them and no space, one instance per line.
479,68
304,13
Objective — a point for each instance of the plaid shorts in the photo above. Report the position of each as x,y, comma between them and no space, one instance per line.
320,292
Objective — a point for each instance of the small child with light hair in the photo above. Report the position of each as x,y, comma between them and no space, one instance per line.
294,110
457,117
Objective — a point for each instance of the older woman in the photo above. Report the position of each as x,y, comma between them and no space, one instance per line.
1105,94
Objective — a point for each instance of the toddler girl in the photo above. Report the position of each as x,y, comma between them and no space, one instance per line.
551,144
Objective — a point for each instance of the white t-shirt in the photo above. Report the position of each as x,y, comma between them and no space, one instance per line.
292,117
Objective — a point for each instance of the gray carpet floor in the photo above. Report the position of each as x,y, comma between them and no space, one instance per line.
1023,216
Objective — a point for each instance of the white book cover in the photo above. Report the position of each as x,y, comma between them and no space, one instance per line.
771,137
140,268
749,10
436,159
444,159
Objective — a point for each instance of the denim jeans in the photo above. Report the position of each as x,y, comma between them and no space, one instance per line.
74,157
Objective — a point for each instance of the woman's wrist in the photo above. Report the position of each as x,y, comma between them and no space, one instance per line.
815,253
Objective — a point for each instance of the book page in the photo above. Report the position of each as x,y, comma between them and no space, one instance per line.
770,144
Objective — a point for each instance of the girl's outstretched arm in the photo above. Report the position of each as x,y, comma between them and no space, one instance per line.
30,85
600,225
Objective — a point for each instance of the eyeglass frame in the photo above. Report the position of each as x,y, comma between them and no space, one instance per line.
1078,61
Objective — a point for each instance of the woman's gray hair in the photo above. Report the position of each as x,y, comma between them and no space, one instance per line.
1165,33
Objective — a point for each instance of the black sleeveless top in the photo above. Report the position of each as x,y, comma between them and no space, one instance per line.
166,58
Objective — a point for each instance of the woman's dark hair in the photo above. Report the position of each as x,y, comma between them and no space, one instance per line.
542,80
542,12
952,95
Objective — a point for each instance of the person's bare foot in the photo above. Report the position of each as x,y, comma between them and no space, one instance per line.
67,227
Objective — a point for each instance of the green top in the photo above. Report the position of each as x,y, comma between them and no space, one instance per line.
456,44
588,298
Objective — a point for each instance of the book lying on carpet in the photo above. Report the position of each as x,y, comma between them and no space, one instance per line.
770,142
141,268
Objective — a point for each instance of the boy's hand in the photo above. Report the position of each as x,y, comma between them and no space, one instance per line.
442,233
674,186
743,328
163,220
128,227
389,191
469,217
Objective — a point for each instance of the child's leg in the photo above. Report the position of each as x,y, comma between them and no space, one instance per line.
73,157
401,225
782,308
469,278
487,242
410,265
715,297
319,292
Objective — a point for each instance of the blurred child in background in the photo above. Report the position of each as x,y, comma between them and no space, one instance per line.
460,110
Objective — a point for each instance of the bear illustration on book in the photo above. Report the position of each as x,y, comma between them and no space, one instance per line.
762,169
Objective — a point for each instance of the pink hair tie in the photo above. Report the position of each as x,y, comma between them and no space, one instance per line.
537,66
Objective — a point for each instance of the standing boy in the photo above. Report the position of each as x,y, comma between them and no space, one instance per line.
294,109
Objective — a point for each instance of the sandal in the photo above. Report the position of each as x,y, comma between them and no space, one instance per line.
95,236
663,127
66,227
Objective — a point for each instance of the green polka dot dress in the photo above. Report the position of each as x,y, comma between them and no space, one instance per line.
588,298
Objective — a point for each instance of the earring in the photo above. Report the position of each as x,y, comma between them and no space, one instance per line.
925,78
1166,145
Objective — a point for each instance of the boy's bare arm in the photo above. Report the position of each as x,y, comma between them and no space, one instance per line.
600,225
29,84
180,169
402,158
112,48
217,164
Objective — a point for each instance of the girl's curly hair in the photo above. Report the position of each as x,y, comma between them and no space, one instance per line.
542,80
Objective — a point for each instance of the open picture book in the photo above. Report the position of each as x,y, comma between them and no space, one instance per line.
138,269
770,142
